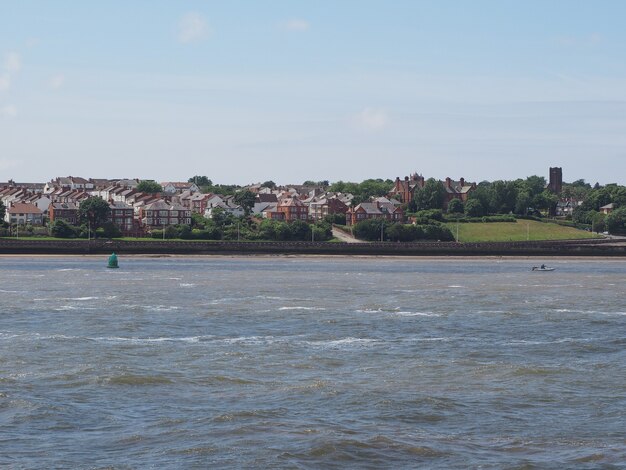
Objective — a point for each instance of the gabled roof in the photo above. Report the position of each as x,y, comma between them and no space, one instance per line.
64,206
266,197
369,208
290,202
24,208
119,205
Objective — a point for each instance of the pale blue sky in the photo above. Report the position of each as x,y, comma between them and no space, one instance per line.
246,91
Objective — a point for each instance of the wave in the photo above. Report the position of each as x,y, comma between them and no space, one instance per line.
523,342
182,284
136,380
135,340
417,314
378,449
350,341
301,308
158,308
64,308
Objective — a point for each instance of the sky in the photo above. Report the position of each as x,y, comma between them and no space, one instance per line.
250,91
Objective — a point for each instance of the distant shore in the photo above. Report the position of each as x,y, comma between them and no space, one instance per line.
560,248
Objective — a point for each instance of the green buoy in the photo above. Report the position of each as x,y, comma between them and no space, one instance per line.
113,261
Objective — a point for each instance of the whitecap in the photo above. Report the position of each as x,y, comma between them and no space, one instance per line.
349,341
301,308
135,340
417,314
63,308
186,285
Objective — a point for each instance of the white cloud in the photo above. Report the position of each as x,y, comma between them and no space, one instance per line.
372,119
5,82
296,24
56,81
12,62
192,27
8,111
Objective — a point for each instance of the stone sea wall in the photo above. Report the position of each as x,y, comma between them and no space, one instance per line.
545,248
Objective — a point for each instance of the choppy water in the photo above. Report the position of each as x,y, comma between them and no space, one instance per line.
311,363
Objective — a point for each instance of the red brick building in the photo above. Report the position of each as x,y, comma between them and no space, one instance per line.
67,211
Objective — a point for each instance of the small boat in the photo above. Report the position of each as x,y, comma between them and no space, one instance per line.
113,261
542,268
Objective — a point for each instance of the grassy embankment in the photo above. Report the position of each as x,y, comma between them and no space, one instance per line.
521,230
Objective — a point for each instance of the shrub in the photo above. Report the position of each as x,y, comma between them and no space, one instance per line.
61,229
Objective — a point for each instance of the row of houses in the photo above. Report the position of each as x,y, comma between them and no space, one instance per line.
133,210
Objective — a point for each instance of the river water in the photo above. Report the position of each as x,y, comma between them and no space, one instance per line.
288,362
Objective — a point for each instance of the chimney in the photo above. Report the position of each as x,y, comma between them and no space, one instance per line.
448,182
462,181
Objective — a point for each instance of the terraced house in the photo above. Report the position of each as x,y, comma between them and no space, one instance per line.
22,213
163,214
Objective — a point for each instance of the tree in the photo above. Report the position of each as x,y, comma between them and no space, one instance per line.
2,210
364,190
370,229
455,206
502,197
61,229
523,201
474,208
546,200
598,221
94,211
269,184
534,184
149,186
109,230
200,181
246,200
300,230
404,233
219,217
322,231
616,220
431,196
